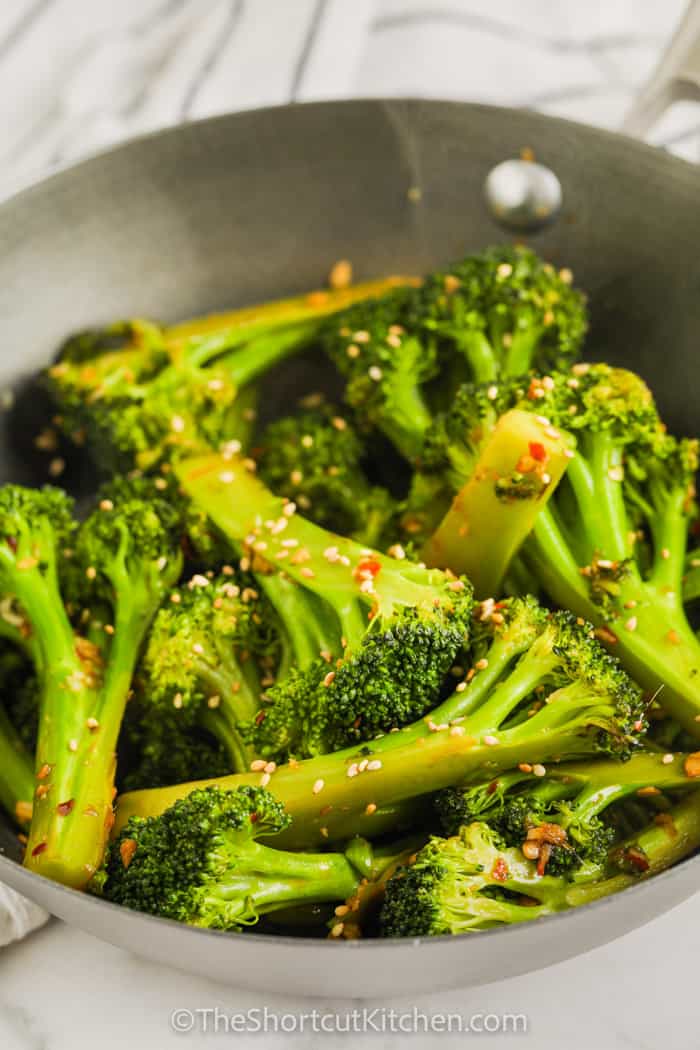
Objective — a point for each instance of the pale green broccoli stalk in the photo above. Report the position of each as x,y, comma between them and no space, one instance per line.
126,557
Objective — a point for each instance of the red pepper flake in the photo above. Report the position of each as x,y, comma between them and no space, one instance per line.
260,718
64,808
492,788
367,567
637,858
538,451
674,637
12,543
39,849
43,772
254,817
126,851
500,872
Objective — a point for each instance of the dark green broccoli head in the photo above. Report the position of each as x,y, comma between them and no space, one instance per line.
397,672
315,459
507,310
194,862
152,756
456,807
456,885
377,347
134,403
126,547
35,523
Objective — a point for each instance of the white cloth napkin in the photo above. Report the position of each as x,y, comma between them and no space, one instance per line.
18,916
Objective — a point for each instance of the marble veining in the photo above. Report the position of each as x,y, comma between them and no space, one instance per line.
78,75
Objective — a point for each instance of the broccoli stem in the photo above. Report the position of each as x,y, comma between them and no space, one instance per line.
521,351
413,761
320,561
16,774
655,643
484,528
237,327
479,353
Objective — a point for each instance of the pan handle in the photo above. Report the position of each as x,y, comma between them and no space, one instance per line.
675,79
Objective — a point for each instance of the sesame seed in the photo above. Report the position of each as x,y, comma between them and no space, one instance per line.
482,664
352,351
329,677
270,767
57,466
339,423
318,787
370,808
352,770
492,393
616,473
265,780
631,624
665,553
337,930
341,274
92,723
106,504
362,336
375,373
490,741
455,585
374,765
393,341
177,701
539,770
525,767
198,581
213,702
504,270
362,766
667,759
257,765
198,648
307,572
551,432
91,572
227,476
461,686
109,629
457,731
177,424
631,604
307,441
289,509
175,598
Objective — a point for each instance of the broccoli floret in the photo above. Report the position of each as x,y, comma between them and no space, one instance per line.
402,626
557,818
540,688
315,458
125,558
490,316
472,881
210,648
201,863
611,544
139,394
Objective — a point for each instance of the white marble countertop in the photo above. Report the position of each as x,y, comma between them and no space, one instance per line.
76,75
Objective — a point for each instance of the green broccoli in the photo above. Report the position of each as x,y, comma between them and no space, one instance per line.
611,543
210,648
138,393
473,882
127,557
315,458
540,689
402,627
200,862
492,315
557,818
